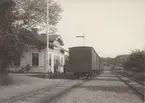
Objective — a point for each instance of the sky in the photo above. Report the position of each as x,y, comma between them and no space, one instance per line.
111,27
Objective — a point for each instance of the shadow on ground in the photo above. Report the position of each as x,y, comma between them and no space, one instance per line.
107,76
106,79
61,76
116,89
69,76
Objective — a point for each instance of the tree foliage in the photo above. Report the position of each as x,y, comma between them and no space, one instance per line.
32,13
117,61
7,41
136,61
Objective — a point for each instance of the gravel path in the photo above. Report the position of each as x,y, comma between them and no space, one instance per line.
106,88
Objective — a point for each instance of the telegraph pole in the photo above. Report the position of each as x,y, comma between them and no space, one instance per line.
47,32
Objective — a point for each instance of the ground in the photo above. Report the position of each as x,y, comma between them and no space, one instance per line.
105,88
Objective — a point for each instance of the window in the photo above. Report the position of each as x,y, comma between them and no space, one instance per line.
62,51
35,59
49,59
56,60
61,60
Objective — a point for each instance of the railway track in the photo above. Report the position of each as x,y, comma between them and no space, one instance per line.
137,86
134,80
31,93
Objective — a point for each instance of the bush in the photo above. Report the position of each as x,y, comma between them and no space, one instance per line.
135,62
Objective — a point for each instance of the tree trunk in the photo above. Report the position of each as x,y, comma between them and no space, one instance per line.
3,73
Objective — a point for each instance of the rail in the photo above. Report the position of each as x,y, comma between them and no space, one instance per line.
129,83
134,79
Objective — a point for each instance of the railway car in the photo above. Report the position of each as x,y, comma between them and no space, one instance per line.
83,61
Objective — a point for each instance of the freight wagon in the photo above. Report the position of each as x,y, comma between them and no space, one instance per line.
83,61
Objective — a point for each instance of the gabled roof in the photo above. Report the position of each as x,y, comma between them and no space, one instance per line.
52,38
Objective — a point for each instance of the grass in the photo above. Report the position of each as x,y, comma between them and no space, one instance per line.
139,76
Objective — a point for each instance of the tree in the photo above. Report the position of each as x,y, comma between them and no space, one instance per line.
119,60
136,61
16,18
6,28
7,41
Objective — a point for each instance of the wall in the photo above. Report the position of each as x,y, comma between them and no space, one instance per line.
27,59
53,53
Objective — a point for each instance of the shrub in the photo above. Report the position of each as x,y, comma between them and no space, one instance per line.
135,62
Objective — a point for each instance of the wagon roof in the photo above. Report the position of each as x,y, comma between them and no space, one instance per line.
84,47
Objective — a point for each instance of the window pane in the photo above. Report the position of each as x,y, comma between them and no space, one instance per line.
49,59
35,59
